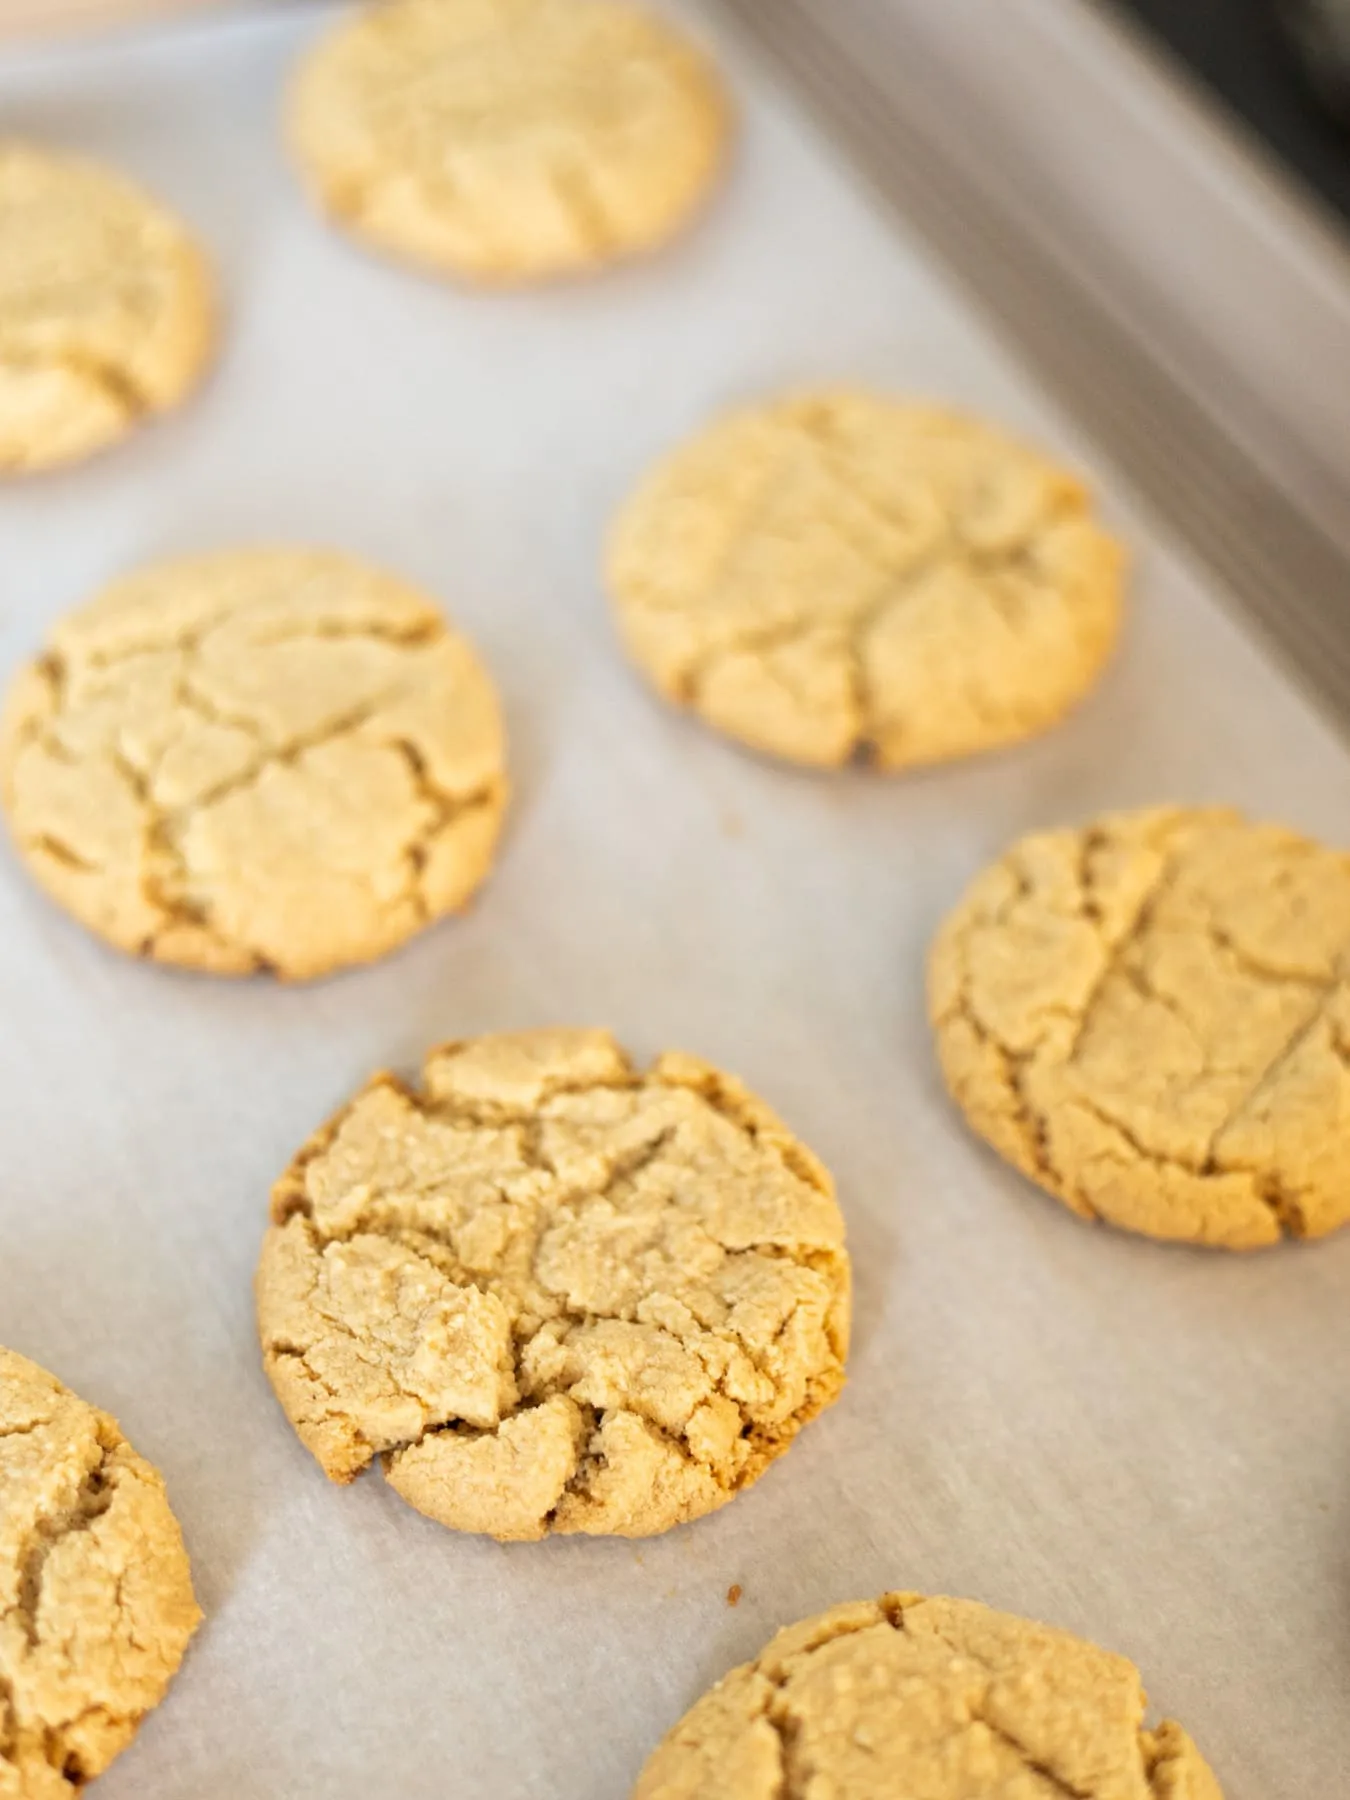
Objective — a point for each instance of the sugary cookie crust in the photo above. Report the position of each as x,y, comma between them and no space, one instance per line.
938,1697
552,1293
96,1601
837,576
509,140
1151,1018
105,308
266,759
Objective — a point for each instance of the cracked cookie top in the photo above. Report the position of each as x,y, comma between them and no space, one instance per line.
509,140
268,759
836,577
554,1294
943,1698
96,1602
1151,1018
105,308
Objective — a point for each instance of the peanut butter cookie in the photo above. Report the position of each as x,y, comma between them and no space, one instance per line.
269,759
939,1698
509,140
552,1293
96,1601
105,308
1151,1018
837,576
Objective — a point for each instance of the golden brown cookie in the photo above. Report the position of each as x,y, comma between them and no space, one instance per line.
552,1293
105,308
944,1699
1151,1018
837,576
509,140
96,1601
266,759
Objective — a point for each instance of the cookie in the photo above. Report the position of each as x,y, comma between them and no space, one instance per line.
96,1601
940,1698
260,760
1151,1018
837,577
105,308
552,1293
509,141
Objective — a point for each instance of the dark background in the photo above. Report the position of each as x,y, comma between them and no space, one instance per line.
1240,51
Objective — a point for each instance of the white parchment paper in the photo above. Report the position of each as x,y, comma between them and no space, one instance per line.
1148,1445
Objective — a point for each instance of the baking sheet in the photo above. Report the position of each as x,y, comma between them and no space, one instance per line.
1144,1444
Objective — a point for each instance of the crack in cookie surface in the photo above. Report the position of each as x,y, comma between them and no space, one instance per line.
836,576
105,308
509,140
96,1601
1148,1019
939,1696
267,759
553,1293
